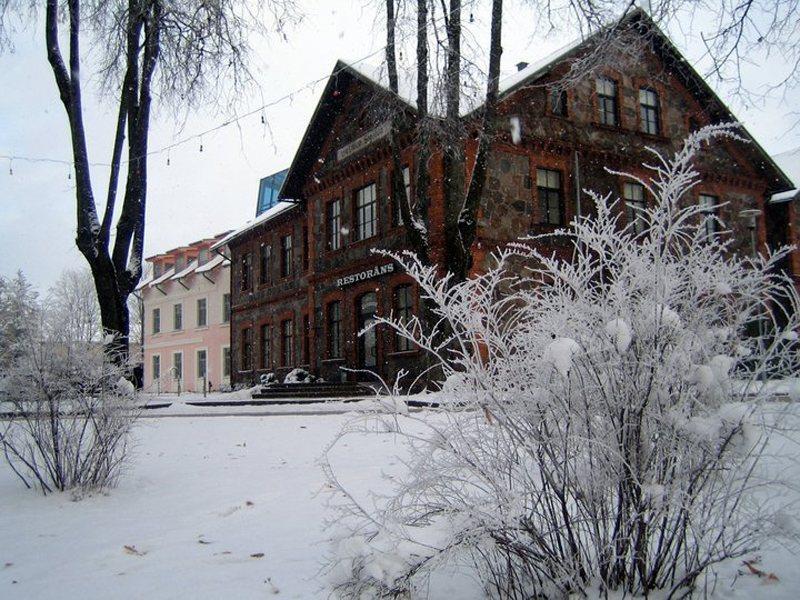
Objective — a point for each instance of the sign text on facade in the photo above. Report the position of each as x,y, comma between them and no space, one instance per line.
365,140
364,275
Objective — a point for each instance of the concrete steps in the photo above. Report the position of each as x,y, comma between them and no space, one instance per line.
314,391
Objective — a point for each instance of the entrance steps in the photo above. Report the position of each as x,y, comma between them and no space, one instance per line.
313,391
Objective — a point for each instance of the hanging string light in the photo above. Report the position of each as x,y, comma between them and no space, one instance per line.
289,97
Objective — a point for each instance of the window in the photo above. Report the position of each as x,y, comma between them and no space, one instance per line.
558,102
708,205
607,101
403,307
366,307
202,256
366,212
335,330
246,350
156,320
306,340
287,350
158,270
648,105
202,312
286,255
398,215
634,205
202,361
264,263
304,250
177,365
266,339
177,317
246,271
334,222
226,361
548,186
156,367
226,308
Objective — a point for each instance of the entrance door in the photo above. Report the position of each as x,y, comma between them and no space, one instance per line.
367,342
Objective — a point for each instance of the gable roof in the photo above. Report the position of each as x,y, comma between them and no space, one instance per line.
264,217
328,107
344,72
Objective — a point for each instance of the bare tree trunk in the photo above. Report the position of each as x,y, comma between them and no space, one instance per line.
391,60
467,221
115,274
411,219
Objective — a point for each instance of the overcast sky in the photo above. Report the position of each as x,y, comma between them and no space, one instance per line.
203,193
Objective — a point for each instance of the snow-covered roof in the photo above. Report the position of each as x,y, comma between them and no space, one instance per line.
213,263
538,68
789,162
189,268
268,214
143,283
379,75
164,276
786,196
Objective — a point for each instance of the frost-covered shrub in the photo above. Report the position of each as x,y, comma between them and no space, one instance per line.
70,415
611,436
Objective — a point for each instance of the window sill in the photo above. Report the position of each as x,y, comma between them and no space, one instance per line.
403,353
201,328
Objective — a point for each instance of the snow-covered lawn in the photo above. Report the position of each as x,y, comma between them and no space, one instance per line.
210,508
224,507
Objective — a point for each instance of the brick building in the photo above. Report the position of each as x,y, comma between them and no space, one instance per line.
304,279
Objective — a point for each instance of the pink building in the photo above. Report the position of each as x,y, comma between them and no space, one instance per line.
187,319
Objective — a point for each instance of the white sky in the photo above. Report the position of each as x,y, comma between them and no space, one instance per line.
200,194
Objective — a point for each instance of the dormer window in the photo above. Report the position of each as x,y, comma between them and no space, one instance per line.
202,256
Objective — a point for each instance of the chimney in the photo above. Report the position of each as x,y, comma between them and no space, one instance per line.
521,65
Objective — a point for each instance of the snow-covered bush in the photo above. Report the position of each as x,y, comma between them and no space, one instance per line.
299,376
70,415
268,379
608,435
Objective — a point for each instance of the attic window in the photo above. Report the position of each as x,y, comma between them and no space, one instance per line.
558,102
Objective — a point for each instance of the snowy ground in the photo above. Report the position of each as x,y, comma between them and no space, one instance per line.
225,507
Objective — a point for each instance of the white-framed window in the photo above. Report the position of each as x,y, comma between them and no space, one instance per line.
202,312
156,320
155,361
177,317
177,365
226,361
202,363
